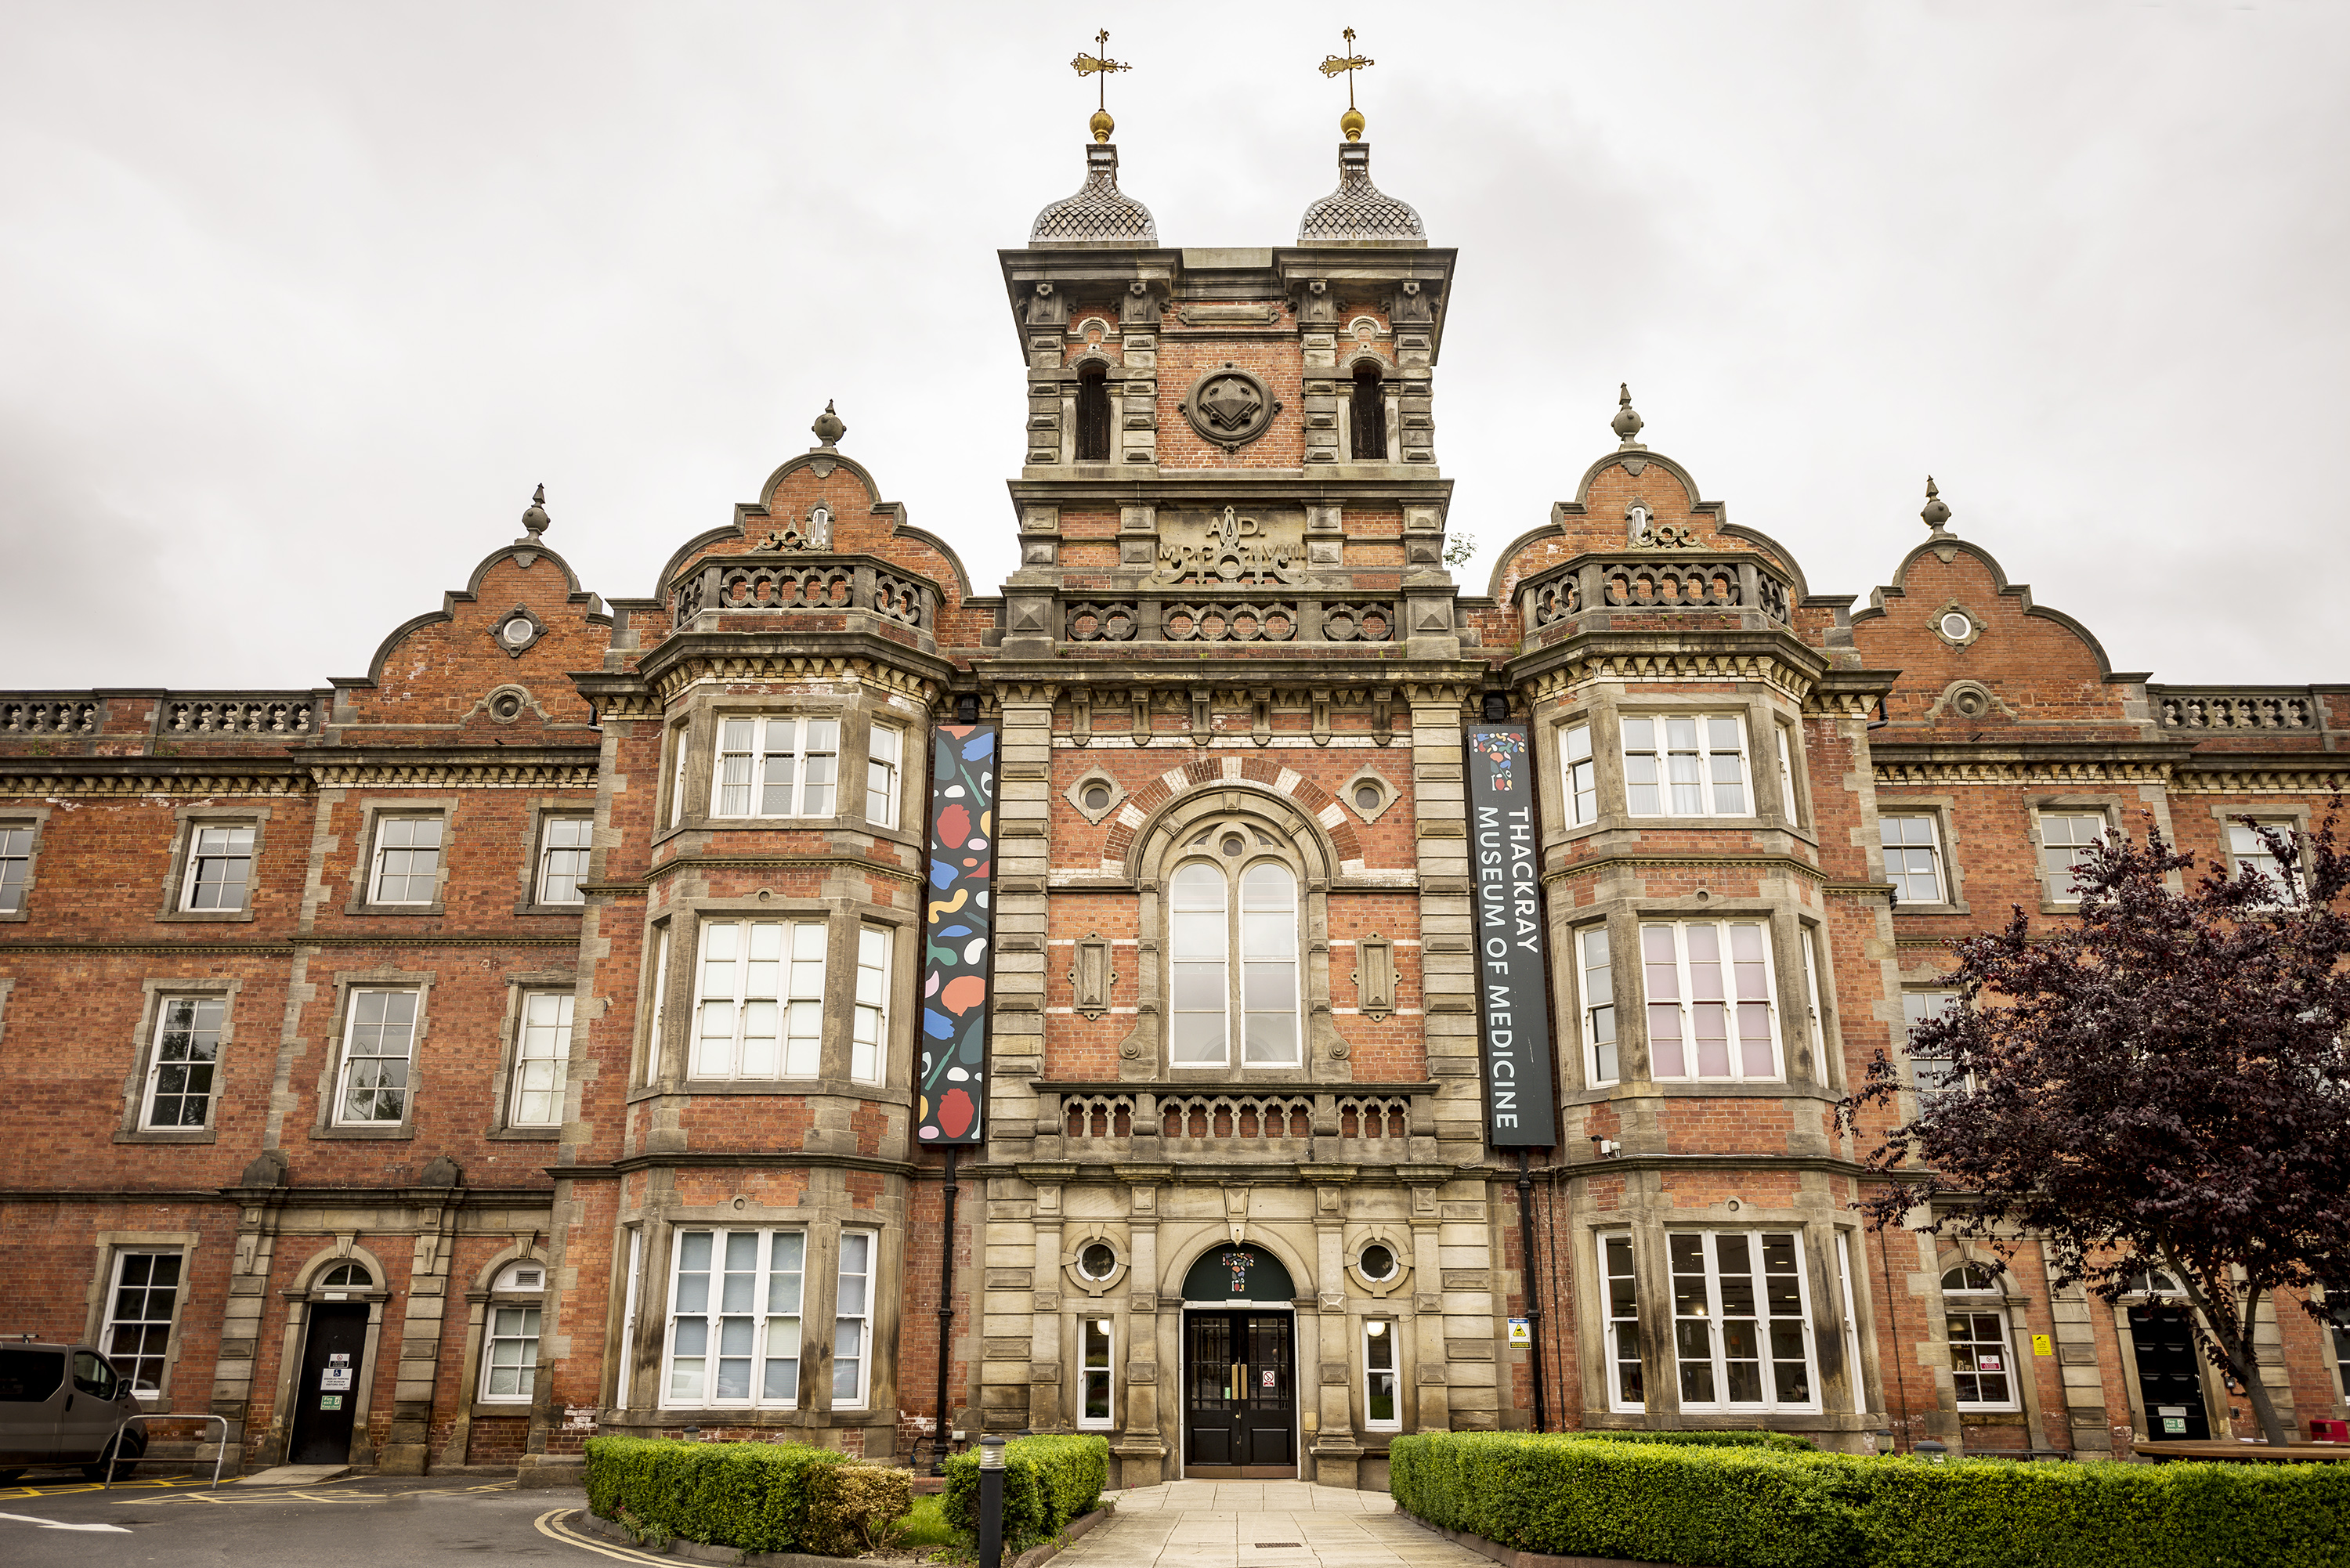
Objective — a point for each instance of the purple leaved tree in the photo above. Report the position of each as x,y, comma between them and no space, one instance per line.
2162,1083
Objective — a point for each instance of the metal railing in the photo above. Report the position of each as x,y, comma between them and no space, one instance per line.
114,1461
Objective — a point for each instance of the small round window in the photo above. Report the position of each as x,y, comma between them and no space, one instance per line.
1378,1262
1957,626
1096,798
1095,1260
517,632
1367,796
1233,844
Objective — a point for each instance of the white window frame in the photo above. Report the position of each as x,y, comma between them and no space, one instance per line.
2063,891
542,1050
19,843
867,1244
576,870
626,1377
762,1311
200,1006
2245,845
680,752
1851,1321
1973,1302
1788,804
788,988
384,824
1903,871
799,737
1091,1324
530,1315
1809,937
887,772
1595,971
1686,1003
354,1006
192,882
1713,1322
1919,1004
1619,1313
130,1363
1379,1332
1578,775
1658,757
1235,979
868,1034
653,1038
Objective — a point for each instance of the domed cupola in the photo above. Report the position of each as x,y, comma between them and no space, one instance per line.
1099,214
1358,210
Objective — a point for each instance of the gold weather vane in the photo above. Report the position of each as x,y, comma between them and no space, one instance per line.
1351,122
1088,65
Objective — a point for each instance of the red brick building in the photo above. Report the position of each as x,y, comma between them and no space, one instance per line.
547,1033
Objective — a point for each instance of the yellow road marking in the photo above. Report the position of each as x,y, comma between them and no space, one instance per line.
307,1495
554,1532
69,1488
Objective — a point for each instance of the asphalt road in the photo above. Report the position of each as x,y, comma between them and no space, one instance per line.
413,1523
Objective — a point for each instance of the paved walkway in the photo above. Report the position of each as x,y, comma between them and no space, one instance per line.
1259,1524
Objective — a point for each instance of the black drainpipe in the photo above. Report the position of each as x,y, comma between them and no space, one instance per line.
946,1321
1526,1271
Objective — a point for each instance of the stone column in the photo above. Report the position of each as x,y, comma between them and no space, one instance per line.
1335,1450
243,1318
407,1446
1431,1371
1047,1331
1138,1448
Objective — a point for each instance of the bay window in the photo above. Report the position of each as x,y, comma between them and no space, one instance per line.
852,1322
869,1035
1598,1005
1625,1390
1742,1321
1579,775
735,1319
760,999
1712,1008
884,762
776,767
1687,765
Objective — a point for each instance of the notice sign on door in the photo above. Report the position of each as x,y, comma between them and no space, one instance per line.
330,1401
1271,1375
336,1379
1520,1333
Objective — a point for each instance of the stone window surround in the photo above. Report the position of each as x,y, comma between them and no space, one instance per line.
1076,1239
1390,393
1651,1276
323,1127
188,818
112,1245
819,1297
142,1053
858,708
1944,810
299,1298
2012,1302
1368,774
1163,841
2114,808
373,809
37,817
652,1001
544,809
480,1301
1757,705
843,919
521,985
1075,794
2293,821
1789,925
1115,373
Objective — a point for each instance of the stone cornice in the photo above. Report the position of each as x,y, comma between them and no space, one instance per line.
688,658
1693,858
292,945
131,777
1776,658
1825,1164
848,862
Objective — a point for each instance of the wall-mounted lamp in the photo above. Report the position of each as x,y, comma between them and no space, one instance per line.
1605,1147
1497,708
967,708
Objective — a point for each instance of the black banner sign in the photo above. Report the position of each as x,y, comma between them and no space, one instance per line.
1513,956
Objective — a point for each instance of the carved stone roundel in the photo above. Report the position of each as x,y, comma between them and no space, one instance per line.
1230,406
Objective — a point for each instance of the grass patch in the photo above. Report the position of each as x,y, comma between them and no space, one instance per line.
924,1524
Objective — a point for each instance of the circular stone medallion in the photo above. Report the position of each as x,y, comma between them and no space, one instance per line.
1231,407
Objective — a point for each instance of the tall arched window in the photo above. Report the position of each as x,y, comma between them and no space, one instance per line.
1370,415
1232,957
1093,415
1983,1360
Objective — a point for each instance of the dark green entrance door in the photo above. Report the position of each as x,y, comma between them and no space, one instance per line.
1240,1388
2169,1374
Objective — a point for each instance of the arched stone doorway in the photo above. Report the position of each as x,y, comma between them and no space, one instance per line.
1240,1366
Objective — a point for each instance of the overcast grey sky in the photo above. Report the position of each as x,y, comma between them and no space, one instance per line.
298,301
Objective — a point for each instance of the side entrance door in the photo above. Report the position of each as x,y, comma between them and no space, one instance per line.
327,1395
1241,1390
2169,1374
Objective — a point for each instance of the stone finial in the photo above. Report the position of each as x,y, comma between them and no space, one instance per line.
1627,421
534,521
829,429
1937,511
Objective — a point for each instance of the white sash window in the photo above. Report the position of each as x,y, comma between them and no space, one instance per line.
1742,1321
869,1035
735,1319
1687,765
776,767
1712,1008
759,1002
852,1324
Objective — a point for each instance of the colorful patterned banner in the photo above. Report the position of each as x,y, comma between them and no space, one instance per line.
956,928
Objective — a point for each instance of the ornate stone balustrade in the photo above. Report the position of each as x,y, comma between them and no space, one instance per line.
294,714
1648,581
784,583
70,716
1277,1123
1232,621
2275,710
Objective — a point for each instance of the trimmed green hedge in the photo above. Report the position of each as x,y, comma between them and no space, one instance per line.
1047,1482
1757,1507
759,1497
1783,1442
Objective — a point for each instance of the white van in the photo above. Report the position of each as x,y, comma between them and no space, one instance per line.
65,1405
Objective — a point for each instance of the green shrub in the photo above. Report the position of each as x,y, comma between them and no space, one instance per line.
1758,1505
1784,1442
757,1497
1047,1482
